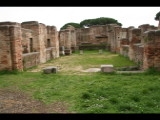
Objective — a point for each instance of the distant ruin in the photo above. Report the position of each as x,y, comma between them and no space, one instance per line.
27,44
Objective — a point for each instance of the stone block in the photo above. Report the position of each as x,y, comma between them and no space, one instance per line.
68,52
107,68
50,69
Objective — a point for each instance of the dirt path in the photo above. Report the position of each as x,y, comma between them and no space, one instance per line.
18,102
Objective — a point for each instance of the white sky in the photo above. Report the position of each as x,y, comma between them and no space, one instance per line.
59,16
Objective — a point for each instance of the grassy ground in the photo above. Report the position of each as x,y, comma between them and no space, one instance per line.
89,92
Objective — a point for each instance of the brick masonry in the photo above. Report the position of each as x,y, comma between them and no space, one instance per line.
26,44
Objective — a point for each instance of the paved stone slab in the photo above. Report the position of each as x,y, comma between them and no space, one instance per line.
92,70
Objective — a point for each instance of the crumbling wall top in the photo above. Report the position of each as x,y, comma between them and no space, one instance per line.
144,25
30,22
9,23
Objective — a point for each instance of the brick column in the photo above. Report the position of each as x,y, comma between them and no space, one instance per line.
16,47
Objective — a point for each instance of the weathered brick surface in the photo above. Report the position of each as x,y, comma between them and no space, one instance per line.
151,49
96,35
31,59
16,47
20,43
30,43
5,48
10,46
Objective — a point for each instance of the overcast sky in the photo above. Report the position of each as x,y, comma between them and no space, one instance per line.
59,16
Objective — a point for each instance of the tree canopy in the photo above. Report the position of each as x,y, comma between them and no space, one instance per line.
157,16
91,22
99,21
76,25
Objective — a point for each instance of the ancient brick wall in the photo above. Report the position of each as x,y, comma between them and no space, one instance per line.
124,46
43,37
30,43
95,36
151,49
5,49
117,30
67,39
27,44
34,27
10,46
38,38
134,38
16,38
138,54
142,46
52,41
124,50
31,59
64,39
26,40
111,31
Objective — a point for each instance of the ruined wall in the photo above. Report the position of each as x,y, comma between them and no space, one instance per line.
151,49
31,43
5,49
98,34
138,54
52,42
34,40
10,46
39,35
134,38
73,41
143,46
31,59
44,40
65,39
124,42
25,45
117,30
94,37
26,40
144,28
112,35
30,46
147,27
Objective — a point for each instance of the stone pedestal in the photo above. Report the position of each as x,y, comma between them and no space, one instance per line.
50,69
68,51
107,68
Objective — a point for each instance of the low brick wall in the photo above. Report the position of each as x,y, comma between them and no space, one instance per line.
31,59
50,53
124,50
138,53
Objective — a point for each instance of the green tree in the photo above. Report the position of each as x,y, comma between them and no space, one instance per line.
157,16
76,25
99,21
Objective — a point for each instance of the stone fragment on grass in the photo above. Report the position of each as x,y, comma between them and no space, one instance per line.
50,69
107,68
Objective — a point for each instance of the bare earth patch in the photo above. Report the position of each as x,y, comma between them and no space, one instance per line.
92,70
18,102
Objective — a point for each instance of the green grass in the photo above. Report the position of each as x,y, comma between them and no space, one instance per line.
91,92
